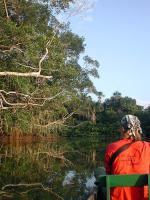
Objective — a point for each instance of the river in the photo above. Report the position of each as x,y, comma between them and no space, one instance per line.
62,169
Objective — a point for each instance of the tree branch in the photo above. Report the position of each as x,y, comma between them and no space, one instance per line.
27,74
6,9
57,122
42,59
30,100
46,52
27,66
4,48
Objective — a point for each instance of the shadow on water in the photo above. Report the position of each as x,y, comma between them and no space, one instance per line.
63,169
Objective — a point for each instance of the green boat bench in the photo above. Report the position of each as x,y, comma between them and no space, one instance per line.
131,180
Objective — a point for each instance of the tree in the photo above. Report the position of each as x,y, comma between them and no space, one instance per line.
114,108
144,117
39,68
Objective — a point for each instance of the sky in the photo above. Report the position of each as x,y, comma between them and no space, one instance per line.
117,34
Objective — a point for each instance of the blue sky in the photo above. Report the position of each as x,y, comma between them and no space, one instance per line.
117,34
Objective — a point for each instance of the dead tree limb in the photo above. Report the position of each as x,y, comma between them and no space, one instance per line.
29,100
6,9
57,122
27,74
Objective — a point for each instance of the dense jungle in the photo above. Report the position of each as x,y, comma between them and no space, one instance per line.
54,124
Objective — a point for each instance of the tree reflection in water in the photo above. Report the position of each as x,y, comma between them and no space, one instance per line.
60,170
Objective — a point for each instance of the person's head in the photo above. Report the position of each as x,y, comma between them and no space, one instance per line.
131,127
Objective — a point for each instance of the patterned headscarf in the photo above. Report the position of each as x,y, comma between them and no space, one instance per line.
132,123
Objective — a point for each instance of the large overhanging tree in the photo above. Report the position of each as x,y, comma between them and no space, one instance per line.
41,80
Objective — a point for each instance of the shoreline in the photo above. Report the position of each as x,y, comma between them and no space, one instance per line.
26,139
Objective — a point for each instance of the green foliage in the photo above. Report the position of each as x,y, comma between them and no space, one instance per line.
145,121
16,119
107,116
33,40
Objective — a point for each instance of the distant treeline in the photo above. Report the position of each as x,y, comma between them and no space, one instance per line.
103,118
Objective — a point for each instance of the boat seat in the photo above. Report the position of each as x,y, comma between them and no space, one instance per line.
130,180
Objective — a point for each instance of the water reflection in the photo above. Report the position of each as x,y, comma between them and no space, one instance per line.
90,183
68,180
59,170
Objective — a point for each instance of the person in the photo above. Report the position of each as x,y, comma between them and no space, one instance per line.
129,155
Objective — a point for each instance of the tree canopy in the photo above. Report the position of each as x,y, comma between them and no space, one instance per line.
42,81
103,118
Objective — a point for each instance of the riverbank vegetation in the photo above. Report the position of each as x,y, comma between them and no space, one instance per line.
44,88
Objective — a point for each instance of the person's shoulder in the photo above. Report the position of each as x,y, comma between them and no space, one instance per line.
145,143
115,144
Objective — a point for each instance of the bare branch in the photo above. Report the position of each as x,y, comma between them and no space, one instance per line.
57,122
42,59
27,66
6,9
4,48
29,100
67,116
11,104
12,92
27,74
46,52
